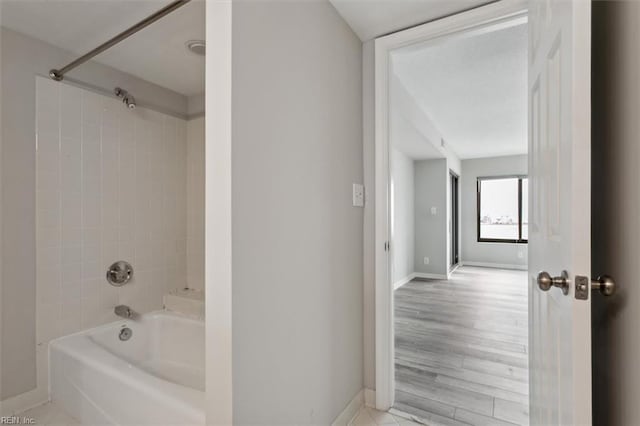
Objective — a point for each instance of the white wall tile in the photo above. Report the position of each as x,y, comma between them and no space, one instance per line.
71,235
111,185
47,322
91,288
49,237
71,255
194,238
70,290
91,108
70,112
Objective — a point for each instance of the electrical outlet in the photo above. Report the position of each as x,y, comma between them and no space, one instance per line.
426,260
434,211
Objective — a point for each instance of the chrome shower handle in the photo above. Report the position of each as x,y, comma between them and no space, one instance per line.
119,273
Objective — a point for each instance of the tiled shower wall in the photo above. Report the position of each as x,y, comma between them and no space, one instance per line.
195,203
111,185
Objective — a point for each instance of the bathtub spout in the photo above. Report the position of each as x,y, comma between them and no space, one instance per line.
124,312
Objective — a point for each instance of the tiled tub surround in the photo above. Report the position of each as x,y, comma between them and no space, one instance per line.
195,203
111,185
155,377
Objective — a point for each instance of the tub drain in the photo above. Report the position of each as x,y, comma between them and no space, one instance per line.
125,334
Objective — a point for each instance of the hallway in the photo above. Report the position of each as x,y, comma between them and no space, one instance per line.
461,348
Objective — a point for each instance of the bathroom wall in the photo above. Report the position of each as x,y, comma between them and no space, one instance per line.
110,186
22,59
297,239
195,203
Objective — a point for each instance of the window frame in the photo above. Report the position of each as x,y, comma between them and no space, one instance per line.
519,240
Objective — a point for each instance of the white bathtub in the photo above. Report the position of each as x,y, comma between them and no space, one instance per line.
155,377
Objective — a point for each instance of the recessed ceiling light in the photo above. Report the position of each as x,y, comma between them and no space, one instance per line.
196,46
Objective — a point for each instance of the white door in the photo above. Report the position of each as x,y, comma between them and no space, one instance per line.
560,224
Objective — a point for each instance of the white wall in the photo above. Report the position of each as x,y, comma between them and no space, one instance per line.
431,229
195,203
504,254
22,59
403,222
297,240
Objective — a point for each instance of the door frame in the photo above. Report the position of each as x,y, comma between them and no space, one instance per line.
472,22
218,241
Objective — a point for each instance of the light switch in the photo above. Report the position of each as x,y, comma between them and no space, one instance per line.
434,211
358,195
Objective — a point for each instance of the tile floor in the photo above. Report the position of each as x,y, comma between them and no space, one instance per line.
48,414
372,417
54,415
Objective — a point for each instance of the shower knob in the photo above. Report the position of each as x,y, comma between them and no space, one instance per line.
119,273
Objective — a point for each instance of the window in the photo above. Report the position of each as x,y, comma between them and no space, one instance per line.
503,204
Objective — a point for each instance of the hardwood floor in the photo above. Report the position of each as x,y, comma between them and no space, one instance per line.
461,348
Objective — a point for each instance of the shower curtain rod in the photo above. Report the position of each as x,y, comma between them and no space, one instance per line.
58,74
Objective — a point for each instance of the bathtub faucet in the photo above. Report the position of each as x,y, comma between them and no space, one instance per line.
124,311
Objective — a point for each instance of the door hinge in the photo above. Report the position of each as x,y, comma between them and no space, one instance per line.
387,246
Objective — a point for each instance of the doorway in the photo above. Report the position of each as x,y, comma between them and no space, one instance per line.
440,353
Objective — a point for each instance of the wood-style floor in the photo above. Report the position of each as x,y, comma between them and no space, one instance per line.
461,348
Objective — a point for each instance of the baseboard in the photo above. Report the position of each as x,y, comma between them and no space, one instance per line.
430,276
350,411
403,281
370,398
23,402
495,265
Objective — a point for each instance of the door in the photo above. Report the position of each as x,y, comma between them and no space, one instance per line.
453,221
559,162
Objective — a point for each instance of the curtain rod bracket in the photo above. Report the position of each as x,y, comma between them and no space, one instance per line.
55,75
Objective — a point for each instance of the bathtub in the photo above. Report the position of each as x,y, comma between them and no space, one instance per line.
154,377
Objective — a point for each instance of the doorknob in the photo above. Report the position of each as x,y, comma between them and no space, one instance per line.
605,284
545,281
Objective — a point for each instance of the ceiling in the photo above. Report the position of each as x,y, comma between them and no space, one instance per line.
156,54
373,18
473,89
